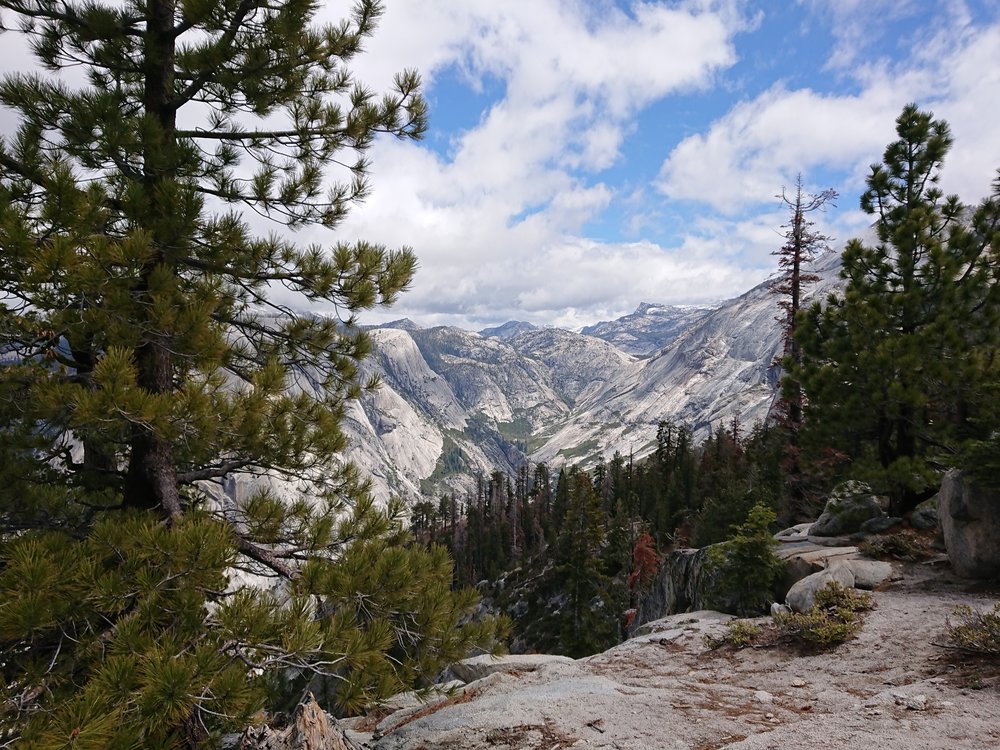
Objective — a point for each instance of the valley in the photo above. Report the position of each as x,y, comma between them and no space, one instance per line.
456,403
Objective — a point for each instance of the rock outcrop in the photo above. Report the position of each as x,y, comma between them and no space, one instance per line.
850,505
682,584
666,689
685,580
970,523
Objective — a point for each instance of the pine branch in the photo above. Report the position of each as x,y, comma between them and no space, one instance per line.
223,45
266,557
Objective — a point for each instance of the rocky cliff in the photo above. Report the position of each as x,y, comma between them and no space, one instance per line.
456,402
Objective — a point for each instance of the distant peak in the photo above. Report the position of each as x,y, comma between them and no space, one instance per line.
403,324
645,308
508,330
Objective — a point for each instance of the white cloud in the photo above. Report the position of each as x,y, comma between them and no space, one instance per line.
762,143
497,219
495,222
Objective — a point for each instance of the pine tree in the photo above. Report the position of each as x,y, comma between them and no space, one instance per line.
744,568
802,241
147,352
588,619
893,368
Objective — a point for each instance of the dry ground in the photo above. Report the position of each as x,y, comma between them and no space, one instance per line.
893,688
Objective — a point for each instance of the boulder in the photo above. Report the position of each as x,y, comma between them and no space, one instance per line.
869,574
925,516
849,506
797,533
880,524
802,596
477,667
970,523
804,558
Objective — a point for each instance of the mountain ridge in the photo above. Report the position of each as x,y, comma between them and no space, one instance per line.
457,403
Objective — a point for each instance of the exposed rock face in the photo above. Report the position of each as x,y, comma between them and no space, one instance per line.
649,329
682,585
970,522
508,330
456,403
667,690
851,504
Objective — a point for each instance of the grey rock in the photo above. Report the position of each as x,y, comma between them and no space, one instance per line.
673,626
835,541
683,584
869,574
925,516
649,329
797,533
478,667
802,596
777,608
849,506
880,525
916,702
970,522
804,558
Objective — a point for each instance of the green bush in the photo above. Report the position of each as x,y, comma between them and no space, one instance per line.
739,634
975,630
745,569
833,619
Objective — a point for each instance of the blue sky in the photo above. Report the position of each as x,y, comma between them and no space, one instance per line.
588,155
585,156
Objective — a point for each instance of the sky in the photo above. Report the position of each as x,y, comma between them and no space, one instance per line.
585,156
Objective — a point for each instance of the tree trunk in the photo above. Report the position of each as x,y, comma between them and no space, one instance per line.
151,480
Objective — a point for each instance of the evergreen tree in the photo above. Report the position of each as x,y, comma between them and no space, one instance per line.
744,568
588,619
146,354
893,368
802,241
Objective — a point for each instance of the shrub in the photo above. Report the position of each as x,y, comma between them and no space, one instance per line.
975,630
744,568
836,598
739,634
833,619
905,545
